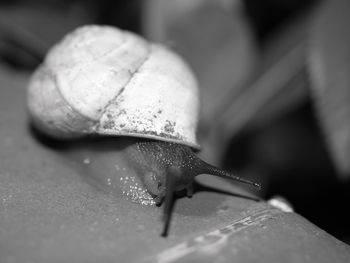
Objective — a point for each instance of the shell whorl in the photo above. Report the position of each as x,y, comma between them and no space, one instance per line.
102,80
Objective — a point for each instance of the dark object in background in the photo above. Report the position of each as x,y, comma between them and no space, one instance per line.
291,157
329,70
269,16
17,51
125,14
29,28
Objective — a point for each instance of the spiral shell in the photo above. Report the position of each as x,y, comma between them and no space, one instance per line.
105,81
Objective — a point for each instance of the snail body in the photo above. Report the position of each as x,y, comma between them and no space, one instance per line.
159,162
101,81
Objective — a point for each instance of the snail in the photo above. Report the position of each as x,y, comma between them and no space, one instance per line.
102,81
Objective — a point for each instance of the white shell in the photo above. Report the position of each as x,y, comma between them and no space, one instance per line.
101,80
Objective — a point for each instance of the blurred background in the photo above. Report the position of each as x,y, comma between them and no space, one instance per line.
274,78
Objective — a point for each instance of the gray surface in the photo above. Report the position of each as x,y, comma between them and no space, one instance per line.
50,212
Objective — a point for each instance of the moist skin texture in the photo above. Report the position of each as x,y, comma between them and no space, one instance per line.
165,168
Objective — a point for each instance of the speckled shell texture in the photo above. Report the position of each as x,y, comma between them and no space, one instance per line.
102,80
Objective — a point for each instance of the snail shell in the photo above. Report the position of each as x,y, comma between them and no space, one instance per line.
105,81
100,80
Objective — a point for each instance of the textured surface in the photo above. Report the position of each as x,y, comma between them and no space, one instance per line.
107,81
50,212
